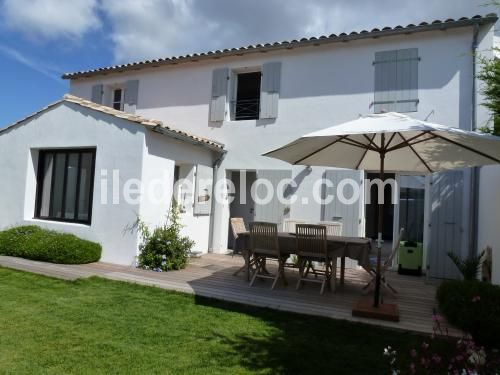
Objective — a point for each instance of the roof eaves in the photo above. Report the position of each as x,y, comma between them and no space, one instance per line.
313,41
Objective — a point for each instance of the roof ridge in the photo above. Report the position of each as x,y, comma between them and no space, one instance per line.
314,40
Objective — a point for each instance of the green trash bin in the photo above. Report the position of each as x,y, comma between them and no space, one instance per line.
410,258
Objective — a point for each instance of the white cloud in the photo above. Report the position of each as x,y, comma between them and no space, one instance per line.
160,28
140,29
50,19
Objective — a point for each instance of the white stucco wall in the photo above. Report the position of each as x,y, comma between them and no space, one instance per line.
119,146
160,156
489,215
138,155
320,86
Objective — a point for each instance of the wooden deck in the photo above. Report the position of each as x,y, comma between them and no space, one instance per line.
211,276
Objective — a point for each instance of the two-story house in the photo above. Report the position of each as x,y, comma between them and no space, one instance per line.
218,112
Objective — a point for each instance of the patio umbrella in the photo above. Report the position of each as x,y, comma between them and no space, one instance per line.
391,142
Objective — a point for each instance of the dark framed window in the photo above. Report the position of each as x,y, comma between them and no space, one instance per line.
247,104
65,184
118,99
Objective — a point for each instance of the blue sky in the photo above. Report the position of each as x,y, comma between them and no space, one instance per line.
41,39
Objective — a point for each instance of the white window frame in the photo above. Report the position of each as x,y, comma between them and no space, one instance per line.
122,97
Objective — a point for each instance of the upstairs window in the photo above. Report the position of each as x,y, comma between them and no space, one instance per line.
396,81
117,102
65,184
247,103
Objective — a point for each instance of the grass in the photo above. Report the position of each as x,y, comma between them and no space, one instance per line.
51,326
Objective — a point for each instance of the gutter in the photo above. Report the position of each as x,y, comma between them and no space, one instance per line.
219,148
474,180
216,166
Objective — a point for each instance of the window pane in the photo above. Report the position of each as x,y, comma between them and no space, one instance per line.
85,186
248,96
117,99
71,185
48,160
58,186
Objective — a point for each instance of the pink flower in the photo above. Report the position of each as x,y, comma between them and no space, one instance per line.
425,345
476,299
413,353
413,370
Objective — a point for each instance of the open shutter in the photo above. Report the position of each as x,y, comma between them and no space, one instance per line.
348,214
220,79
97,91
447,223
131,95
275,210
270,90
407,80
203,190
396,81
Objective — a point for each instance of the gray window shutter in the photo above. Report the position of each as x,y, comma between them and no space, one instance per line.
203,190
131,95
275,210
396,80
131,91
97,91
220,79
270,90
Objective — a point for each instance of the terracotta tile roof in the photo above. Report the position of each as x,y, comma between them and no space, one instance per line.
155,125
313,41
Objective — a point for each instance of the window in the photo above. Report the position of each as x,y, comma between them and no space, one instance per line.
247,103
396,81
65,185
118,99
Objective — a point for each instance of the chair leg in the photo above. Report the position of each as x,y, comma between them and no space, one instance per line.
334,274
301,272
258,266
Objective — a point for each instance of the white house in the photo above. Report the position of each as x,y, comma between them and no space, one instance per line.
256,98
67,166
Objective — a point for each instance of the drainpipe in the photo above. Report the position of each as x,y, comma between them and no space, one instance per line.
215,167
474,184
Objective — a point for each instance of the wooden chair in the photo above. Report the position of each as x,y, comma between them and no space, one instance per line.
265,245
372,270
333,228
312,247
289,225
238,227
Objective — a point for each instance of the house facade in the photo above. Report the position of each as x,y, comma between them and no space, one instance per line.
254,99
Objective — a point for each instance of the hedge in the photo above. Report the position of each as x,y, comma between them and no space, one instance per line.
33,242
474,307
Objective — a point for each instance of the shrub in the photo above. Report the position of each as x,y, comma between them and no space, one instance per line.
468,267
33,242
163,248
474,307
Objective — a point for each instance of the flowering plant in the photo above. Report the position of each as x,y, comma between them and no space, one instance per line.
164,248
465,357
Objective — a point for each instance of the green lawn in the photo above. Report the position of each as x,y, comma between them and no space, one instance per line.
100,326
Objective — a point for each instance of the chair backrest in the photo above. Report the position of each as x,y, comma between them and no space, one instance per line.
289,225
395,247
237,226
264,238
311,240
333,228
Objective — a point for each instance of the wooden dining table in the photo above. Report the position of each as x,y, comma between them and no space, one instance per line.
342,247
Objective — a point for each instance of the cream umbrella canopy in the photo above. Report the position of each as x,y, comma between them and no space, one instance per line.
391,142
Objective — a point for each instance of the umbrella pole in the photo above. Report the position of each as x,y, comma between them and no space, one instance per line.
376,301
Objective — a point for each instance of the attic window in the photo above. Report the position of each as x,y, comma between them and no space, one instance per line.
118,99
247,103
